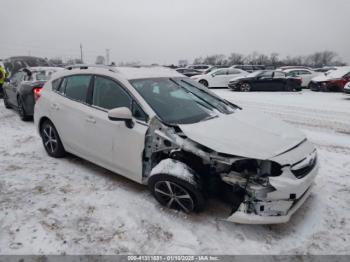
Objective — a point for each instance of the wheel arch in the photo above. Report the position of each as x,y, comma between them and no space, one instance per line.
42,120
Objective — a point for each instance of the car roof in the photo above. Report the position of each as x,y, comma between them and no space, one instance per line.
44,68
128,73
295,69
147,72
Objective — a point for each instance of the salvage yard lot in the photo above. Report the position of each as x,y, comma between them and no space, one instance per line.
57,206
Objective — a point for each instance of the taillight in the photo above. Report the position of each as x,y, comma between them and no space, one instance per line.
36,93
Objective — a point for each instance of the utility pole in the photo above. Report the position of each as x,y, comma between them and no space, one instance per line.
81,53
107,56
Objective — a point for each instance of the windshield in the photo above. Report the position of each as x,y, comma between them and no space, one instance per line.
180,100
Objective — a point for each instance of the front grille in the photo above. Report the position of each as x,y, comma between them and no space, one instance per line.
306,169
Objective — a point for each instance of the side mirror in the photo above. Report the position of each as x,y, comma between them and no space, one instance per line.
121,114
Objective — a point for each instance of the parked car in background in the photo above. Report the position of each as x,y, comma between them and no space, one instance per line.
164,130
332,81
24,88
15,63
201,68
347,88
249,68
305,75
214,68
188,71
282,68
265,80
219,77
324,69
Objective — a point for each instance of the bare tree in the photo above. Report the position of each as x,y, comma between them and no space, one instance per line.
198,61
317,59
215,60
235,59
274,59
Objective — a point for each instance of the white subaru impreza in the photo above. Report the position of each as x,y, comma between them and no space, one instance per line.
164,130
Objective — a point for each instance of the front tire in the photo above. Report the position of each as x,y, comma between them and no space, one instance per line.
176,193
51,140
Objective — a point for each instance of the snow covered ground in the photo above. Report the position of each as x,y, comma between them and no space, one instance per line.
69,206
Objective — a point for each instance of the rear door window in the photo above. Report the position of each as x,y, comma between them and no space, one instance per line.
76,87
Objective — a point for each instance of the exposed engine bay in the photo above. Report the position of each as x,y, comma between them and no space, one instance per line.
259,191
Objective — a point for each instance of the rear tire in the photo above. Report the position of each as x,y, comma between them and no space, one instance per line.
204,82
21,111
6,103
51,140
176,193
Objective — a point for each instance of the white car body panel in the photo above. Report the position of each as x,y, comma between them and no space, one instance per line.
218,80
244,134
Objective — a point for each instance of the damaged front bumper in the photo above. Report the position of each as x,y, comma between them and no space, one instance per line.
280,204
242,217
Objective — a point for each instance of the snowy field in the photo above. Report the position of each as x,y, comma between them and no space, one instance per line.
69,206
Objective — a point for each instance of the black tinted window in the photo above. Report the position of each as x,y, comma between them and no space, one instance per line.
267,74
109,94
76,87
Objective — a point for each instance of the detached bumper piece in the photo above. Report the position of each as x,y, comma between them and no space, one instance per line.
283,210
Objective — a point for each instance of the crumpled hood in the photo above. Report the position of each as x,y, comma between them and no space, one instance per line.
244,133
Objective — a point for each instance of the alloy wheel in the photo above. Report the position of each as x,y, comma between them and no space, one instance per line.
245,87
174,196
50,139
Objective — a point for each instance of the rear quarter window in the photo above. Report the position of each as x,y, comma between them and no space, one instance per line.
56,84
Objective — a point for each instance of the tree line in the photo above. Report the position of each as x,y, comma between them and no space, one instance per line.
317,59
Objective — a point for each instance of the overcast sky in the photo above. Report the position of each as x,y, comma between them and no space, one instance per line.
164,31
